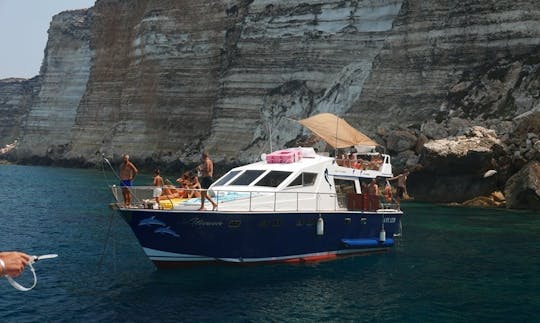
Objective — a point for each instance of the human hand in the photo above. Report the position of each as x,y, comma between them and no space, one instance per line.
14,262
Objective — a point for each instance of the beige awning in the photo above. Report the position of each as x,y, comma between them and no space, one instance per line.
336,131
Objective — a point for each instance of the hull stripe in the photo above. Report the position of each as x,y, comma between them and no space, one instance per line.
158,256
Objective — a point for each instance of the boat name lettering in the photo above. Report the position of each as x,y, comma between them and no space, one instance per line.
389,220
197,221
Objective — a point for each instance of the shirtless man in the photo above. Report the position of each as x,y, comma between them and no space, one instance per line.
373,194
128,171
158,183
401,184
207,171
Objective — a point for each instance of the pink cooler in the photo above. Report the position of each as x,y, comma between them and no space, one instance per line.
284,156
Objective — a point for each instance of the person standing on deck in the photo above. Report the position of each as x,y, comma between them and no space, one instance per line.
158,183
128,171
373,195
401,184
207,172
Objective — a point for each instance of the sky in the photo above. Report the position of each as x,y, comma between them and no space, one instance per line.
23,33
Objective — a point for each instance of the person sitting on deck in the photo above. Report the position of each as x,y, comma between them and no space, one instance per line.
352,161
184,181
195,187
170,192
341,160
376,162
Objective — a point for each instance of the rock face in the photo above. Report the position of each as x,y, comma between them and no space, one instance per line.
48,129
163,80
523,189
16,97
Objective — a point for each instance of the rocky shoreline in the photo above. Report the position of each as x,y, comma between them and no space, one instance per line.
476,167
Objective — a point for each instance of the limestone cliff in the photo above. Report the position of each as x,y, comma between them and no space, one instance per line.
48,127
162,80
16,97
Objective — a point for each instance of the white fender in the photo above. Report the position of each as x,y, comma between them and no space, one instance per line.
320,226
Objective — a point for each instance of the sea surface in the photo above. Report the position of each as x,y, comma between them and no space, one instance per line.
453,264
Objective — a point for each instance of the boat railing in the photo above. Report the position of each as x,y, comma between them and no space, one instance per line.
252,201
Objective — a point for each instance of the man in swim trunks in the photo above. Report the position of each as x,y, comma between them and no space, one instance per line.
401,184
128,171
207,171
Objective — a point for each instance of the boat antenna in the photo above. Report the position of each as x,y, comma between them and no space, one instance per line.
336,146
269,126
110,165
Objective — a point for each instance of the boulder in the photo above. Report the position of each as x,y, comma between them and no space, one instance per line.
495,199
471,153
453,168
522,190
482,201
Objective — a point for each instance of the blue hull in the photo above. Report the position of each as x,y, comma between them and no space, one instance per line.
172,238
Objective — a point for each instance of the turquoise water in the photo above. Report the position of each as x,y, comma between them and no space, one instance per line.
453,265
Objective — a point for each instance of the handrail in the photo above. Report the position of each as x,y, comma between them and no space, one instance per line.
271,201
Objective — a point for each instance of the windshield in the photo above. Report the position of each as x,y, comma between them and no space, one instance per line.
273,179
247,177
304,179
226,178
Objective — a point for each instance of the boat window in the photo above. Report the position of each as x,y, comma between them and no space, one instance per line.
344,186
273,179
247,177
226,178
304,179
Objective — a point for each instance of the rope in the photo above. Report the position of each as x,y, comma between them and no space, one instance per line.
33,259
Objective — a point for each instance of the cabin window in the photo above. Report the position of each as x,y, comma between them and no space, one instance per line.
344,187
273,179
226,178
247,177
304,179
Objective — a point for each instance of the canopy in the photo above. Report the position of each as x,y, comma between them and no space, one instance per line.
336,131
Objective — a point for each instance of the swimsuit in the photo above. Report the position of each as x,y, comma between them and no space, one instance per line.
400,191
125,182
206,182
157,192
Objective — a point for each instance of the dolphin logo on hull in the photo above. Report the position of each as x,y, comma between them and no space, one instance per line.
167,231
151,221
